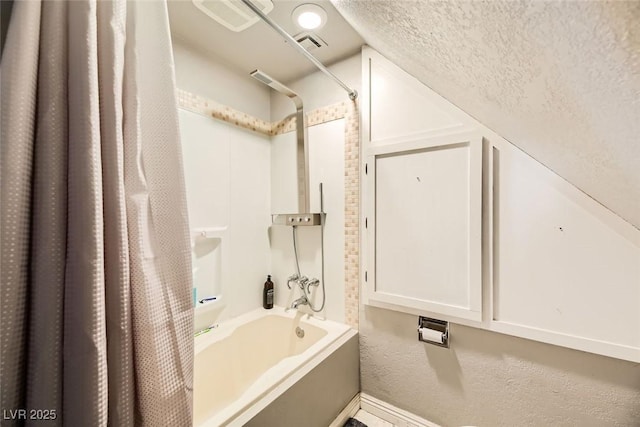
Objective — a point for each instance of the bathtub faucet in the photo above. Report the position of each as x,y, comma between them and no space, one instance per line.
302,282
298,280
312,282
300,301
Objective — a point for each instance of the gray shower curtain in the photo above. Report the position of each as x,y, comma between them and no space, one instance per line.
97,319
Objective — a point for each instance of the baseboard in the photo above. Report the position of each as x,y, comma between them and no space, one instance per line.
396,416
348,412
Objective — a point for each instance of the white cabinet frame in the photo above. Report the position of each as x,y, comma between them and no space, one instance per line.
490,152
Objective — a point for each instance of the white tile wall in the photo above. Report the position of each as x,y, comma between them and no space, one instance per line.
335,129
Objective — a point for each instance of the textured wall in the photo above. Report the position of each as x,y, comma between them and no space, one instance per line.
560,80
493,380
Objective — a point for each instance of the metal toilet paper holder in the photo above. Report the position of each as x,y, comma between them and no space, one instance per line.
441,327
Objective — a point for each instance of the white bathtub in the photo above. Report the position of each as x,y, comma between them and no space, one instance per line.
246,363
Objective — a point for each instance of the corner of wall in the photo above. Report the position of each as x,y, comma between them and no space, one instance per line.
203,74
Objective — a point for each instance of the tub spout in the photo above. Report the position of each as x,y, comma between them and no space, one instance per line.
300,301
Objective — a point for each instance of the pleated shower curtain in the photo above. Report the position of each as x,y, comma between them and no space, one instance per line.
97,318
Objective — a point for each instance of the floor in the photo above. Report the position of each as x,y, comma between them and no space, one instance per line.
371,420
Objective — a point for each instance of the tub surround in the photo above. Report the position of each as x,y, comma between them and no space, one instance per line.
237,224
211,88
214,187
317,92
346,110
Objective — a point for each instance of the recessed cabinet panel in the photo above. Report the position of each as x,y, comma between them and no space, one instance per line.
411,112
564,264
422,224
425,214
398,107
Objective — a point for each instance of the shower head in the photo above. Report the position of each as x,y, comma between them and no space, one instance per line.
302,149
276,85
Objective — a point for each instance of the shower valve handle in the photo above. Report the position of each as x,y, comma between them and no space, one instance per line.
312,282
303,281
291,278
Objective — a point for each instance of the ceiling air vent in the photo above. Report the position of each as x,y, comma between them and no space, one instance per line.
233,14
310,41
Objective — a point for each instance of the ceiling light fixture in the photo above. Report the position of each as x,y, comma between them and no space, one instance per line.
309,16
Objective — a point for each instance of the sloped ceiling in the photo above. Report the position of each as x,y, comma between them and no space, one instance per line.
559,79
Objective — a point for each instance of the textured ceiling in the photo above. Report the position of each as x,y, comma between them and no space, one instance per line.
560,80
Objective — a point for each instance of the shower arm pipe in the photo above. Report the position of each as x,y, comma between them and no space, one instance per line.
353,94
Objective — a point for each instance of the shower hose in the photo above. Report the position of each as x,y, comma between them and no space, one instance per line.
305,289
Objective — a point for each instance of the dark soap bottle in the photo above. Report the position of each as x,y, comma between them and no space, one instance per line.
267,293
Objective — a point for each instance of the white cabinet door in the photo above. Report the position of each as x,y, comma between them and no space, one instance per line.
424,226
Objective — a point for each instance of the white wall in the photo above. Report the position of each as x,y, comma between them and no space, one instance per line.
205,152
211,78
250,217
228,182
326,158
317,90
228,186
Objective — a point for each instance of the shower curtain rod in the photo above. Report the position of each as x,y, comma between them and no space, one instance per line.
353,94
